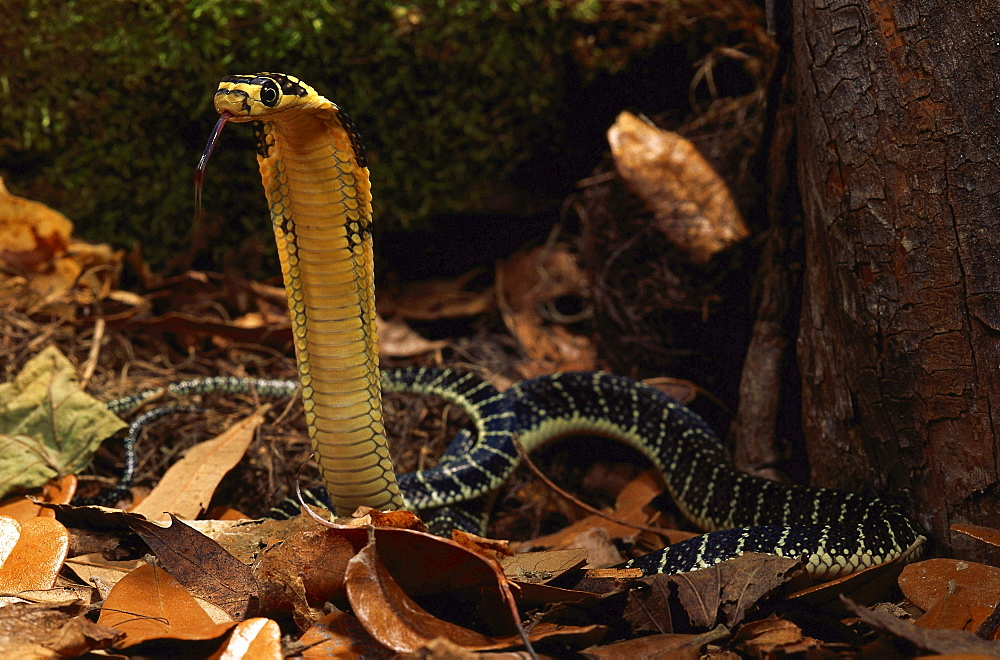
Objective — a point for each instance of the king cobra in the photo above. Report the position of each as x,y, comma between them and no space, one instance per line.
315,175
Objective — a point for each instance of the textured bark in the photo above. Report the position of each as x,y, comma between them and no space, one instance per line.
898,169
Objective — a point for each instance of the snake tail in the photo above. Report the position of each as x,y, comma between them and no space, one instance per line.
316,181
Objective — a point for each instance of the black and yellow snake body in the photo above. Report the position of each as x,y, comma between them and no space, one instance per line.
316,180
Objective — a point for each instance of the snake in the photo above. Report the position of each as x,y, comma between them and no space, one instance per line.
315,175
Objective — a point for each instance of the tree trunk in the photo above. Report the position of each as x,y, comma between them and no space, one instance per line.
899,347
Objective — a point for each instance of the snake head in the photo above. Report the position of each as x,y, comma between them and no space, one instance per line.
257,96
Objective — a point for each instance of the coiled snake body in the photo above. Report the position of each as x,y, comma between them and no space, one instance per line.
315,177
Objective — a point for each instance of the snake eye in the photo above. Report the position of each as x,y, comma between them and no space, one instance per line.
269,94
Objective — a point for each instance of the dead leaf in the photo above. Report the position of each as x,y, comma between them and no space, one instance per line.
934,641
31,233
392,617
542,567
621,523
722,594
36,558
148,604
690,202
28,630
101,573
926,583
202,565
529,281
57,491
48,426
773,637
397,339
339,635
984,534
188,485
667,645
298,575
432,300
35,241
253,639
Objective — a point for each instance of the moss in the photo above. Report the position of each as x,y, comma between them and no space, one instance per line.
106,105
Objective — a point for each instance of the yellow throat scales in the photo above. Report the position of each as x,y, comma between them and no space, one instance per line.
315,176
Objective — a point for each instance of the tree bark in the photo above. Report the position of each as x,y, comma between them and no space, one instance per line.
899,344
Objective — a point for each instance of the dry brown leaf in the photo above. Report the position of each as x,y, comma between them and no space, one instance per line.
397,339
529,281
187,487
629,513
28,630
103,574
148,604
37,557
35,241
722,594
928,583
431,300
392,617
984,534
690,202
31,234
202,565
299,574
57,491
542,567
339,635
773,637
935,641
253,639
667,645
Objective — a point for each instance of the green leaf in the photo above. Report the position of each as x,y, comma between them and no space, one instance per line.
48,426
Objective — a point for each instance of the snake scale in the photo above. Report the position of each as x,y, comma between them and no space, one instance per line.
315,176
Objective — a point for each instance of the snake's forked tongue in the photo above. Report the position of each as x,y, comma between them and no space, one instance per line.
199,171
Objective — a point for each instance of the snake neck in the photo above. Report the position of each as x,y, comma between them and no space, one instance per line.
319,198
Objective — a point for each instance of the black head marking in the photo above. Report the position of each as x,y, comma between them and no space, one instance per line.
290,85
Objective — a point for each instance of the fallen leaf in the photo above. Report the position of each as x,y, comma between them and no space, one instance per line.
202,565
339,635
773,637
667,645
392,617
431,300
306,570
542,567
36,558
528,282
148,604
31,234
690,202
48,426
984,534
926,583
101,573
188,485
28,630
253,639
935,641
621,523
25,507
397,339
722,594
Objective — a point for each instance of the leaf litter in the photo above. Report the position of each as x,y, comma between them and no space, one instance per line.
377,585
